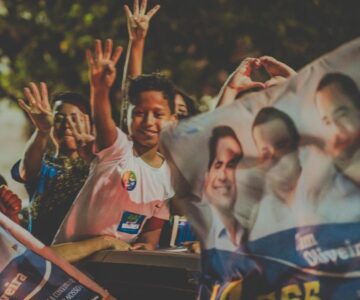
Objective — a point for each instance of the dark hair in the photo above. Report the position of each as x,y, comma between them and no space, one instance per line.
73,98
343,81
2,180
152,82
190,102
268,114
217,134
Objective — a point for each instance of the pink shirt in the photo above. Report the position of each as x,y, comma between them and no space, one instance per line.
120,194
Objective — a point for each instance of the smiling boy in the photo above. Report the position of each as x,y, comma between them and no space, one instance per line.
129,180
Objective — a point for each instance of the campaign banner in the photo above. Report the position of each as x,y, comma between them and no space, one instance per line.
30,270
271,185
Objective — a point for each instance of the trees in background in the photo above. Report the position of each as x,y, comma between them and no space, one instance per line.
196,42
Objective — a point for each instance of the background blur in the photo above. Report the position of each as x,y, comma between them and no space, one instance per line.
196,42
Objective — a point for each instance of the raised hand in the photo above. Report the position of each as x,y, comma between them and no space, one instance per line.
277,70
102,70
81,129
240,79
138,20
38,107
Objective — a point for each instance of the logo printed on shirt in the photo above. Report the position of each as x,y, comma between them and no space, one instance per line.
129,180
130,222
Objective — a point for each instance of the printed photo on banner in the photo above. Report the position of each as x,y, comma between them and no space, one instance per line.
275,195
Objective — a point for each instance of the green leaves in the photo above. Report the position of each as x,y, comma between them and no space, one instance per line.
197,42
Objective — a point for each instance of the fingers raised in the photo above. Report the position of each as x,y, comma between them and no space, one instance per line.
136,7
247,65
275,67
78,118
153,11
98,50
106,55
89,57
44,96
108,49
128,11
143,7
29,96
24,106
74,128
117,54
86,120
35,92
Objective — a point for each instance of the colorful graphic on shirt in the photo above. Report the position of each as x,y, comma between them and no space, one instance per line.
131,223
129,180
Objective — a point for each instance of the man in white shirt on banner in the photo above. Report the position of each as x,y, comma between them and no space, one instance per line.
226,232
337,100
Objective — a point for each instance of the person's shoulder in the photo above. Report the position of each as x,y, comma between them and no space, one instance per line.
120,149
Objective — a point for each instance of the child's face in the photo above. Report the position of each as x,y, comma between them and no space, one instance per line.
151,112
62,131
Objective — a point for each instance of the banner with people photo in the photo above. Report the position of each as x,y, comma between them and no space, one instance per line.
30,270
271,185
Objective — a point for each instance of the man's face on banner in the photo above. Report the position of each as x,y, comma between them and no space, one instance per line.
220,185
272,140
342,117
276,148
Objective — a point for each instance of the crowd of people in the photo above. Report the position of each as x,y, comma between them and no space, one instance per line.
77,159
94,186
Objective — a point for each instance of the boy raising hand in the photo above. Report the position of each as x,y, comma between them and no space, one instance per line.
129,180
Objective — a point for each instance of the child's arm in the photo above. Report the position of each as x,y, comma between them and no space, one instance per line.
102,73
138,23
75,251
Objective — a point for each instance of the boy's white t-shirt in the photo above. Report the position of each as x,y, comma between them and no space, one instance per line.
120,194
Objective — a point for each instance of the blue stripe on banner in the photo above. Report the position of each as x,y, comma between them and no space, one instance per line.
313,262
